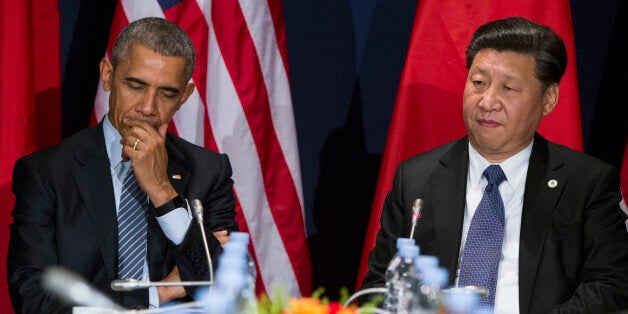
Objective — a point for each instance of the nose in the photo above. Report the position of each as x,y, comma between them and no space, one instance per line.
490,100
148,105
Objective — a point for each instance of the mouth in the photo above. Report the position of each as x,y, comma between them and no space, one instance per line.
153,123
488,123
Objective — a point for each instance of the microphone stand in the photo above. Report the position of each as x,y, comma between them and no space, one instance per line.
197,207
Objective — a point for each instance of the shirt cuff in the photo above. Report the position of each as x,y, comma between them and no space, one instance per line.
175,224
153,298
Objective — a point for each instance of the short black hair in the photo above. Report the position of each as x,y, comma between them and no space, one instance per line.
521,35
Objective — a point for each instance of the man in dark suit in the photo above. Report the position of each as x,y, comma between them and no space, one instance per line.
562,244
69,197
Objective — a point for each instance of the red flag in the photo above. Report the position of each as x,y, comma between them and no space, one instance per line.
242,106
428,108
30,105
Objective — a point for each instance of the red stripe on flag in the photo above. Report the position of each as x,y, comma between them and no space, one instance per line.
242,62
435,73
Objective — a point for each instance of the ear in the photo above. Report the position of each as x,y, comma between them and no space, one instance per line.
106,74
186,93
550,98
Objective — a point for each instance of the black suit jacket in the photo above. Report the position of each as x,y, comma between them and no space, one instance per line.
573,253
65,214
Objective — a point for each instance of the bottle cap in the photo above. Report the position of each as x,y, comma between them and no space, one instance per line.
404,241
409,251
425,261
435,276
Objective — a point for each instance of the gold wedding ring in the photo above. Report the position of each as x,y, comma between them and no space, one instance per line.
135,144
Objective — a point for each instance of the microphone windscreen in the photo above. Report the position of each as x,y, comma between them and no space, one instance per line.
72,288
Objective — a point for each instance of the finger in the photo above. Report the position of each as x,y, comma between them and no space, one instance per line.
222,236
132,141
142,127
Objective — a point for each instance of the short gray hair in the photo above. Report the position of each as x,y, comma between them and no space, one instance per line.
159,35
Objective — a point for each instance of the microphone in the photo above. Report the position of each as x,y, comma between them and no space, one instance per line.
73,289
417,209
133,284
197,209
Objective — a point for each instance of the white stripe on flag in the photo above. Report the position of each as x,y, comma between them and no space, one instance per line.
135,10
189,120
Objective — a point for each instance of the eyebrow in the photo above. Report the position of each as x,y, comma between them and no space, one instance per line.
508,76
141,82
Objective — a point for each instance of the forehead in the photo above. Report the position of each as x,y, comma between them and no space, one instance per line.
508,64
146,64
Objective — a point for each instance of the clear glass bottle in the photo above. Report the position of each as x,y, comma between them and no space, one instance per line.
433,279
251,272
403,284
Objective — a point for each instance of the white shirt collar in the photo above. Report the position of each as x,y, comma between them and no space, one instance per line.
114,148
514,167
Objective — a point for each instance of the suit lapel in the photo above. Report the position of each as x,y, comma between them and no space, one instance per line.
178,174
448,191
544,185
96,189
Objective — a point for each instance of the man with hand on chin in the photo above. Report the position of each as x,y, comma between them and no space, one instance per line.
112,201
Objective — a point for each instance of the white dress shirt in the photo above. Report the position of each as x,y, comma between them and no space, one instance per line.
174,224
511,190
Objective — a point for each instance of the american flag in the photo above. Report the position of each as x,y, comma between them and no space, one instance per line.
242,107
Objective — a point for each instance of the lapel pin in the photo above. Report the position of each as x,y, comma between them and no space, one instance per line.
552,183
176,176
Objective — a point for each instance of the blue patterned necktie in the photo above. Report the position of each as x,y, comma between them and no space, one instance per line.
483,248
131,229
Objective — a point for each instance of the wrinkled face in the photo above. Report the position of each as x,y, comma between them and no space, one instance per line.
145,86
503,103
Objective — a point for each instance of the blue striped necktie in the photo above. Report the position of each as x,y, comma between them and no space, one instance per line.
483,247
131,229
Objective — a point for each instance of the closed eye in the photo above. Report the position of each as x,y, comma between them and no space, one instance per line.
135,86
